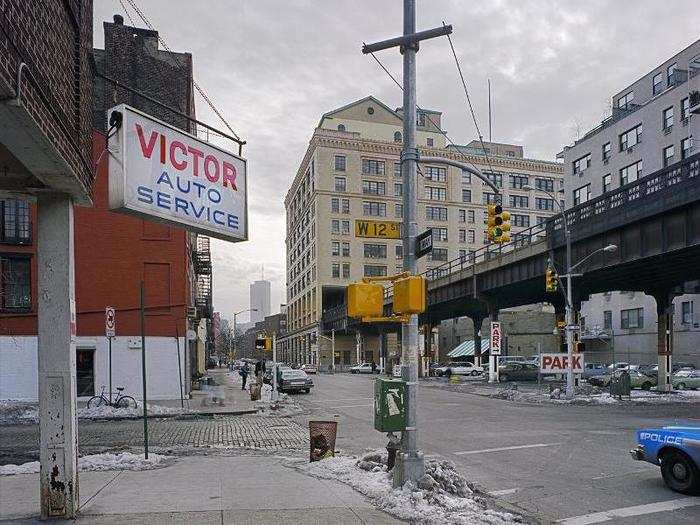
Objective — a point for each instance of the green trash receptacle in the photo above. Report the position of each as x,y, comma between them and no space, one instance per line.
389,405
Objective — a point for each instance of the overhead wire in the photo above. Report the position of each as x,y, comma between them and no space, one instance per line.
126,12
199,89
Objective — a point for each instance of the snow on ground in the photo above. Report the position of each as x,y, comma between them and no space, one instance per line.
444,496
106,461
12,412
587,395
285,405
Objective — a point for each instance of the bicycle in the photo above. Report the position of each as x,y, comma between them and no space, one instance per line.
121,401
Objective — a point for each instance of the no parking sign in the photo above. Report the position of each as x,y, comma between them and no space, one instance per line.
110,322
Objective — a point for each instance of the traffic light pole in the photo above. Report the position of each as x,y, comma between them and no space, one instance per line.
409,465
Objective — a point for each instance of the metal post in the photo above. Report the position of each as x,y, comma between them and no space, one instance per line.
58,425
234,335
569,316
143,370
358,345
109,339
274,395
179,365
332,351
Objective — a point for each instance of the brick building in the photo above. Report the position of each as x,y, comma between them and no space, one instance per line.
114,252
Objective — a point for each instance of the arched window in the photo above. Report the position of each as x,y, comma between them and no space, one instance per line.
341,127
397,136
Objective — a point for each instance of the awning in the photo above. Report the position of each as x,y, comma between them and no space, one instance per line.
466,348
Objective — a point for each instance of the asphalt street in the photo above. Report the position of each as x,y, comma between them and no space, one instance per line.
553,461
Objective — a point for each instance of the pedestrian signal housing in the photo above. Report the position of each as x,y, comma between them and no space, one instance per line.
365,300
409,295
498,224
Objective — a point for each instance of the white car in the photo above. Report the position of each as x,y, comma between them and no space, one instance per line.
459,369
309,368
363,368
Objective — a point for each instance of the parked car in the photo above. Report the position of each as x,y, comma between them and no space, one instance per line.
622,365
505,359
676,451
363,368
459,369
594,369
290,380
649,370
683,366
637,379
309,368
518,372
686,378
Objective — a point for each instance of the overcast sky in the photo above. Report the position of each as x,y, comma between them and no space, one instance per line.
273,67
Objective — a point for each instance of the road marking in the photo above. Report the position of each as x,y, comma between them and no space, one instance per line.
517,447
503,492
638,510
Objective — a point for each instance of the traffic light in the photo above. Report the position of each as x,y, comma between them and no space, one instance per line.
580,346
498,224
550,280
409,295
263,343
365,300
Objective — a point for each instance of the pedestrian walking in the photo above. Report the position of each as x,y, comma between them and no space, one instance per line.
260,371
243,372
374,367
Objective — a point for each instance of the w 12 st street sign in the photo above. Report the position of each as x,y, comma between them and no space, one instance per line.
424,243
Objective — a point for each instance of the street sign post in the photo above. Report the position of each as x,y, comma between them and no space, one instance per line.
377,229
495,350
110,332
424,243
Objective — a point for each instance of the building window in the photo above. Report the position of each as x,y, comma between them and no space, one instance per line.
375,251
373,270
439,234
16,226
438,254
398,211
518,181
607,320
340,184
335,270
670,70
335,249
15,283
544,184
631,137
685,108
582,163
335,205
466,196
372,167
625,100
346,270
435,194
374,209
606,151
582,194
346,249
371,187
541,220
435,213
496,178
657,84
462,215
519,201
462,235
667,118
668,155
607,181
633,318
471,236
346,206
399,251
398,189
397,136
397,170
685,148
466,177
345,227
335,226
490,198
436,174
340,163
470,216
521,220
341,127
429,142
542,203
630,173
687,312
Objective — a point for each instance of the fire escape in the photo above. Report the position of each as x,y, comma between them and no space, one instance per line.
201,260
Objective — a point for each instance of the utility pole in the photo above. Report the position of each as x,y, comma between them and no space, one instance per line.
274,395
409,465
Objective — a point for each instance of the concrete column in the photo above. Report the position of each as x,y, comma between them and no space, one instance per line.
478,321
56,352
664,311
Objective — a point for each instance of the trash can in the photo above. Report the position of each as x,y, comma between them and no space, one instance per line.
621,386
255,392
322,439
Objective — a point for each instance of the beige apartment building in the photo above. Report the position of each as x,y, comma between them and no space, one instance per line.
351,171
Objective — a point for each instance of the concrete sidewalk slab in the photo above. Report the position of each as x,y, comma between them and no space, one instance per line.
201,490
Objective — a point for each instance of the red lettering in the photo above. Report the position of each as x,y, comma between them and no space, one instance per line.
230,176
546,361
196,155
162,149
208,161
576,363
177,145
556,363
146,149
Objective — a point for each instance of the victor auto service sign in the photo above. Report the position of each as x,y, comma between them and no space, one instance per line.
159,172
559,363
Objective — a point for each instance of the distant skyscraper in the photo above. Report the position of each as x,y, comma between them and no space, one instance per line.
259,300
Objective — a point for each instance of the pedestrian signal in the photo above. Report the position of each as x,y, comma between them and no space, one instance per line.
365,300
409,295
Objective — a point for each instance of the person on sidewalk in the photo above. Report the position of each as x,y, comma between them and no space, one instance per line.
243,372
260,371
374,367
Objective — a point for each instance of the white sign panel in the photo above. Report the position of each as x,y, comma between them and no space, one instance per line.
110,322
559,363
159,172
496,338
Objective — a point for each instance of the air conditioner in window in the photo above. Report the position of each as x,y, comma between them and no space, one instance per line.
668,130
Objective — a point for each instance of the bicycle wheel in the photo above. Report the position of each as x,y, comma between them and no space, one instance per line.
96,401
126,402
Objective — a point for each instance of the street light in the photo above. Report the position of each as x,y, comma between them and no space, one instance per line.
569,299
233,339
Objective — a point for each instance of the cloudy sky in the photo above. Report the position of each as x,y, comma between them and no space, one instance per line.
274,66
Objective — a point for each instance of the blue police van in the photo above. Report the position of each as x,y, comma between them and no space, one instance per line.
676,449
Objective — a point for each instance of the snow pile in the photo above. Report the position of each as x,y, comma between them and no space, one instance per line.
12,412
109,412
284,407
107,461
443,496
595,396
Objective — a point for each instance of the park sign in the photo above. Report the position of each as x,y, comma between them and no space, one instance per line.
559,363
496,338
161,173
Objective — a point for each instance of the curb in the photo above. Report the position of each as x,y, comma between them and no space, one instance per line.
184,415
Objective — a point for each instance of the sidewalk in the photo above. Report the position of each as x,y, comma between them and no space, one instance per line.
255,490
